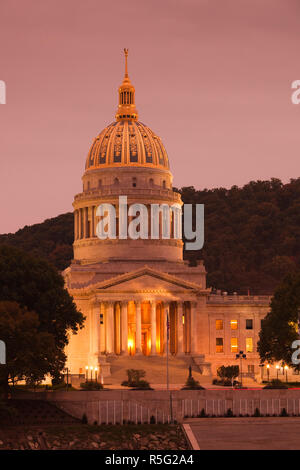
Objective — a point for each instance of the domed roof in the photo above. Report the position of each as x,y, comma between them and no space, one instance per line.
127,143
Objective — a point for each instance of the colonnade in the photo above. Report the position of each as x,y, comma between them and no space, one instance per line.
85,222
141,327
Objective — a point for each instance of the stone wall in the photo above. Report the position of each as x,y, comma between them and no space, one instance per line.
117,406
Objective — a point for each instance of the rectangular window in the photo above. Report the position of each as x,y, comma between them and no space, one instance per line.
249,345
251,368
234,324
234,345
219,324
219,345
249,324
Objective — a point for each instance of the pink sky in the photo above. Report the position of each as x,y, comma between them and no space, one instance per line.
212,77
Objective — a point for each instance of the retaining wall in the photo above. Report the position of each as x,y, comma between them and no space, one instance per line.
117,406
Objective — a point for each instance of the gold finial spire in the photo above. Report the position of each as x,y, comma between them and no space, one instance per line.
126,56
126,109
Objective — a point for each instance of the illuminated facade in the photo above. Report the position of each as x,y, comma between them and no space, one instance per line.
125,287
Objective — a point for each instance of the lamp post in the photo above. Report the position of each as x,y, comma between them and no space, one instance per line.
261,371
86,373
277,370
268,372
241,356
91,369
286,368
96,373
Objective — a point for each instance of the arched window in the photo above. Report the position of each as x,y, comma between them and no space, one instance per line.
134,181
164,184
151,182
99,183
116,182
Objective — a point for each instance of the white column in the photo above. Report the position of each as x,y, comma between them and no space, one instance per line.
124,327
138,329
153,328
85,223
180,350
193,329
96,332
79,223
75,225
166,308
102,327
92,221
110,331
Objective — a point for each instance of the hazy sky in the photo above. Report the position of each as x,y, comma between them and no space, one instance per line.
212,77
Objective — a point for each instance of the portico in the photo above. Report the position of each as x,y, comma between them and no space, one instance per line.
132,327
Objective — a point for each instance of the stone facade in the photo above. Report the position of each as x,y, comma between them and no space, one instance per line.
126,288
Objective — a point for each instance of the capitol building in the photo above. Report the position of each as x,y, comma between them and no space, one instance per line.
127,288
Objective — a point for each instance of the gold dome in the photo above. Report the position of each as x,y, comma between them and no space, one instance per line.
127,142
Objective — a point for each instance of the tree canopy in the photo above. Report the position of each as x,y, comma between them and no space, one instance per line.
36,286
30,353
279,328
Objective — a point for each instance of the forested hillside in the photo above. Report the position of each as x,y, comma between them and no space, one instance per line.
252,235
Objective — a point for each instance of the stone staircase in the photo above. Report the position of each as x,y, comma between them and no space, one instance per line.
155,368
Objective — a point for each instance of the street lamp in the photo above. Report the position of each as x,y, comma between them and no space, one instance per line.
268,372
86,373
277,370
241,356
286,368
91,368
261,371
67,370
96,371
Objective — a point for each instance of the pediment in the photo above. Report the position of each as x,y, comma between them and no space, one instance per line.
144,280
147,279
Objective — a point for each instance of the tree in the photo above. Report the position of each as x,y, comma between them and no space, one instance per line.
30,353
279,328
228,372
37,286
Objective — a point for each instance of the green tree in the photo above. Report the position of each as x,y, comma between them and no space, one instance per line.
228,372
279,328
37,286
30,353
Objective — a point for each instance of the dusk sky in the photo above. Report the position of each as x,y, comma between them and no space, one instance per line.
212,77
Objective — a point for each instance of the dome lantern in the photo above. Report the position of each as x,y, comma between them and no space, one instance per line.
126,109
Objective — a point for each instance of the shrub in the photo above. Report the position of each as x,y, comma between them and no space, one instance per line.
192,384
228,373
135,379
84,419
229,413
256,413
90,386
283,412
275,383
